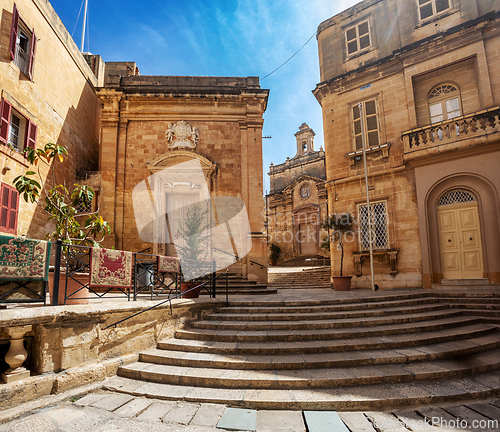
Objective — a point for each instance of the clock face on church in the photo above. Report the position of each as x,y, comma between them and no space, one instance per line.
305,191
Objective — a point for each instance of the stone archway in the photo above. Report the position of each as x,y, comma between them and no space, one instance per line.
487,218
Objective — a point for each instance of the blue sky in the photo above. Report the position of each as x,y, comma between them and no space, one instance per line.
220,37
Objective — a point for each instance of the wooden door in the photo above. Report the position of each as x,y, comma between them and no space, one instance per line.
307,239
460,241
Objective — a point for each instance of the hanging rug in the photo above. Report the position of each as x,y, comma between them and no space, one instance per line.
110,268
24,259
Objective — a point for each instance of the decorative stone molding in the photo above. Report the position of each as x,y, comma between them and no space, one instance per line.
182,135
16,355
391,253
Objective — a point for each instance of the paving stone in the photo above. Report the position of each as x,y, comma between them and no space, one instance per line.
237,419
88,399
486,409
280,421
156,411
66,414
110,402
356,422
133,407
182,413
208,415
464,413
34,424
386,422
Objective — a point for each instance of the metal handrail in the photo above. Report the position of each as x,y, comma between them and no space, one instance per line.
170,300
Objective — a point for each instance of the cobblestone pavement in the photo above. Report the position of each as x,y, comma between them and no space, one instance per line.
102,411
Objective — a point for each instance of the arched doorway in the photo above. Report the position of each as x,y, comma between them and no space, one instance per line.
180,179
460,235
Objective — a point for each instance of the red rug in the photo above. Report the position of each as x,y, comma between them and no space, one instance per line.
110,268
167,264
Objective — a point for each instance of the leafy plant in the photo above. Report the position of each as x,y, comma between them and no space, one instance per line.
60,203
193,233
275,252
338,226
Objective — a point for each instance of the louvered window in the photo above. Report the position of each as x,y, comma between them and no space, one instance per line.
22,46
16,130
370,122
9,209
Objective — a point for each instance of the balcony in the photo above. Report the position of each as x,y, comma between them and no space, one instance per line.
22,60
468,130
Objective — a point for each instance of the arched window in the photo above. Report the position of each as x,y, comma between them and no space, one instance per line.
456,196
444,103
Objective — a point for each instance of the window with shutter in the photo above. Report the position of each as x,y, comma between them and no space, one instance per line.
22,45
16,130
9,209
5,121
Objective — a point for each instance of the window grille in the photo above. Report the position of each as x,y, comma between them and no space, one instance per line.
83,207
379,221
442,90
456,196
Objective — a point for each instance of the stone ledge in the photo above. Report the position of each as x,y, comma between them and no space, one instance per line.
91,312
14,394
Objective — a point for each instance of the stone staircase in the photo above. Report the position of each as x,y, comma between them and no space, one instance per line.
318,277
240,285
377,352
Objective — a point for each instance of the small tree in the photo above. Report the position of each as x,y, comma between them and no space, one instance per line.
338,225
192,231
61,204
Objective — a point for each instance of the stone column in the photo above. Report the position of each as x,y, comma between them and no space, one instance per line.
16,355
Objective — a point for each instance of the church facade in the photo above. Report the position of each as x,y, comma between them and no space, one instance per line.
203,133
296,203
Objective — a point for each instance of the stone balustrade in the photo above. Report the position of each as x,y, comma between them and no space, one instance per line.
16,355
438,136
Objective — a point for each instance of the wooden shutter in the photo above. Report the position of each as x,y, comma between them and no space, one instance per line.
13,32
5,121
30,138
9,209
32,55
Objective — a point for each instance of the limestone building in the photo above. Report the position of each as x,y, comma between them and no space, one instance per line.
296,203
156,123
47,92
422,78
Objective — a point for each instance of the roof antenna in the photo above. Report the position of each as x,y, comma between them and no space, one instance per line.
84,23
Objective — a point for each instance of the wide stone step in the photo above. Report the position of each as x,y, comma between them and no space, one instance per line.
320,308
340,301
321,315
324,334
352,398
324,324
396,341
300,360
313,378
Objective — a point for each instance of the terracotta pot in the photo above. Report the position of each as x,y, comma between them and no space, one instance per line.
73,286
342,283
192,294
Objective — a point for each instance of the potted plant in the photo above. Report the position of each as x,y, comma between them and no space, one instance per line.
191,247
61,205
338,226
275,253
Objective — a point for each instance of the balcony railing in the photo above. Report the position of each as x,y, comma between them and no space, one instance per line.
475,125
22,60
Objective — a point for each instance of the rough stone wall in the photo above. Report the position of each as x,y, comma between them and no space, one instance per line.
60,100
74,348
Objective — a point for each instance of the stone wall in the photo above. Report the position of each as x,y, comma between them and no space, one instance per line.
60,100
70,346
